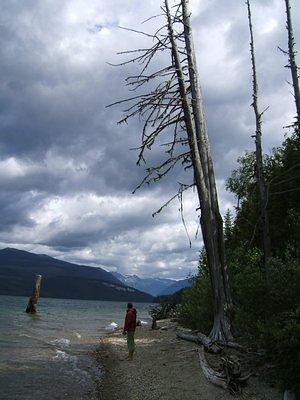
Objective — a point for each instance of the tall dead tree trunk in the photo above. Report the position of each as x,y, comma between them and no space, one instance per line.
262,189
292,62
174,107
31,306
212,224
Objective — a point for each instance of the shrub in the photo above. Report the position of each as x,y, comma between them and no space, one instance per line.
280,337
266,312
196,309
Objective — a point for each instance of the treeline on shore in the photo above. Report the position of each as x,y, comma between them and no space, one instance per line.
266,298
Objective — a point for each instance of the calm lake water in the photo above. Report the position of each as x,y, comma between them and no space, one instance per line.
47,356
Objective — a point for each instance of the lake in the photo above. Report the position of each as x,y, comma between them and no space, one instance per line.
48,355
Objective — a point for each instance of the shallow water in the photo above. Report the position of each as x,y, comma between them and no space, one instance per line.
47,355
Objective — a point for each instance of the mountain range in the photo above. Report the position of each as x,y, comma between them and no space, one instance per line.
154,286
61,279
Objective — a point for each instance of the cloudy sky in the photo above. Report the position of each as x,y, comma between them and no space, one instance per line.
66,171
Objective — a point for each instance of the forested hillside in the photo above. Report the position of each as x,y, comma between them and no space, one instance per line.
61,279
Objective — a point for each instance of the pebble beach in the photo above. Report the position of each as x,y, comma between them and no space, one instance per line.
164,368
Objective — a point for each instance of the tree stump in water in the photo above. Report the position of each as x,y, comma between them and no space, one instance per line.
31,306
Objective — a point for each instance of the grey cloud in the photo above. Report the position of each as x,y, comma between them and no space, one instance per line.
55,84
14,210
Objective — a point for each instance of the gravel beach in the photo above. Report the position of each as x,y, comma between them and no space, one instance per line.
164,368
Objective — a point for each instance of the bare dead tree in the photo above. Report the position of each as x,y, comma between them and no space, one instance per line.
293,63
262,188
212,220
173,108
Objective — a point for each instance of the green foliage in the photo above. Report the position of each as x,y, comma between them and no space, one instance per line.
266,312
282,175
228,226
258,301
248,288
242,180
283,170
174,298
281,337
196,310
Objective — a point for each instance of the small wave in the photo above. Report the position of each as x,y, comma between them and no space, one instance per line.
77,335
61,342
111,327
63,356
24,335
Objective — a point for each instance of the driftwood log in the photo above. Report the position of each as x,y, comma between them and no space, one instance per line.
200,339
210,374
233,345
229,377
212,346
31,306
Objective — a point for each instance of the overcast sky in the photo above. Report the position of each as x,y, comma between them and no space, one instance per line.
66,171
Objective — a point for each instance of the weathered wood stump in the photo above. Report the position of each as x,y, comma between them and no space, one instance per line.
31,306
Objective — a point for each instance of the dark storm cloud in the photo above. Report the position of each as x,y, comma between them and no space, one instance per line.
66,172
99,226
14,210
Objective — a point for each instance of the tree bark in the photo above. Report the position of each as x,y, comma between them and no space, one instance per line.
211,221
293,63
205,183
258,152
31,307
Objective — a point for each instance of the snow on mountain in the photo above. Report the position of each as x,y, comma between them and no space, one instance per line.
154,286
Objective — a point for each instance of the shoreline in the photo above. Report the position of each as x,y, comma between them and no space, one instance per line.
165,368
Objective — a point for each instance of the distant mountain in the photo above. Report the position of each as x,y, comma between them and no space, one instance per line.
149,285
61,279
154,286
175,287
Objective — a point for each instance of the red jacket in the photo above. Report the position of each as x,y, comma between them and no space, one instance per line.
130,320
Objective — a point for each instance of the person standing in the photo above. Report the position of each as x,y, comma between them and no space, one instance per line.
129,329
